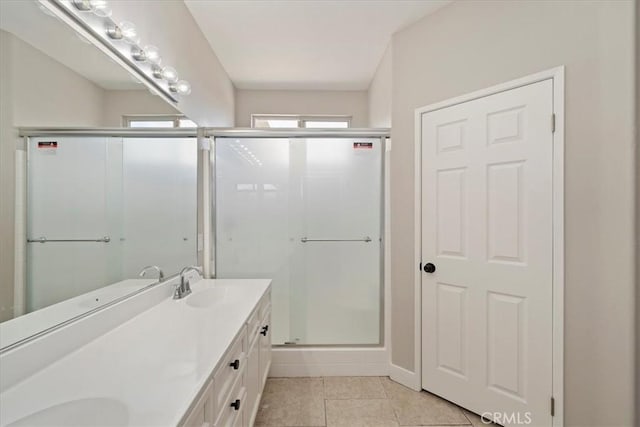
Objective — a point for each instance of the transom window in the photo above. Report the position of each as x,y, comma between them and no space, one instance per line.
296,121
160,121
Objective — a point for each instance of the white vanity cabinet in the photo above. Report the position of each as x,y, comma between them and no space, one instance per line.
232,396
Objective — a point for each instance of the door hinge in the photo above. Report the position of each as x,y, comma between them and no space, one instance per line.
553,407
553,123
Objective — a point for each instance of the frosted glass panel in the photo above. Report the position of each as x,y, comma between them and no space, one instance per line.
277,202
160,204
138,192
70,187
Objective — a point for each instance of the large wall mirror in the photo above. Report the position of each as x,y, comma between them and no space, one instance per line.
83,214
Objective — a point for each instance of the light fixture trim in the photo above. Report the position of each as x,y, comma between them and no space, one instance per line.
114,32
156,71
138,54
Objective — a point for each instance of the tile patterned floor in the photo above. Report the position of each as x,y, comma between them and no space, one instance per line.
355,402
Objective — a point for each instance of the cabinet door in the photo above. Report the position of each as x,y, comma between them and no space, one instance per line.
265,347
202,413
254,388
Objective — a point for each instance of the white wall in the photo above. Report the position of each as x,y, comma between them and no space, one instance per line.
47,93
380,92
118,103
467,46
7,179
308,102
170,26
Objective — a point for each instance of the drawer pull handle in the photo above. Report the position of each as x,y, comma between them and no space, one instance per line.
264,330
236,405
235,364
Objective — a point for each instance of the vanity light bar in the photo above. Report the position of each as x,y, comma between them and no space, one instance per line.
126,32
92,28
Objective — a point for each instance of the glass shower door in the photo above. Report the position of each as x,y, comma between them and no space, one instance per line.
307,214
74,195
101,208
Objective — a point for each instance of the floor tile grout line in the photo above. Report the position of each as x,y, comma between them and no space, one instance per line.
324,396
383,389
465,415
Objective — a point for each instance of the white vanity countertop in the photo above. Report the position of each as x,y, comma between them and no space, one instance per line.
148,370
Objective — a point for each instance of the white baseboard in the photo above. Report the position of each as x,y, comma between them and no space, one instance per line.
405,377
325,362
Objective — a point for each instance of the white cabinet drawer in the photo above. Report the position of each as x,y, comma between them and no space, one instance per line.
231,368
232,410
253,324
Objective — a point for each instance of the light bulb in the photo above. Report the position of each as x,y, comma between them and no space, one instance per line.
169,74
100,8
152,54
129,32
182,87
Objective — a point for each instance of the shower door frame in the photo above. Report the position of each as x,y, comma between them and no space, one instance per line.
298,133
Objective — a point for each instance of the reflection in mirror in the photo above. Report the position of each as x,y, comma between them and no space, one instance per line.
105,207
100,209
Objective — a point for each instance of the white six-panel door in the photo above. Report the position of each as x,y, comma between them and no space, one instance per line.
487,229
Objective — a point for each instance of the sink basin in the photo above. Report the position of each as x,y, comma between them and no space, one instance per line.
208,297
82,412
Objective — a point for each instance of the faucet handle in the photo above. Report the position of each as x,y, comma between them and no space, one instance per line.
143,272
189,268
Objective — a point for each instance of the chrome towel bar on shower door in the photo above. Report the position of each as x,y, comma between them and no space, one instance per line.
364,239
105,239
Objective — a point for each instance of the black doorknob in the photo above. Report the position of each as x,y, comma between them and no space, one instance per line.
429,268
235,364
236,405
264,330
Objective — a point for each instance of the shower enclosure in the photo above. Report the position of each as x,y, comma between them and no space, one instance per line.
305,209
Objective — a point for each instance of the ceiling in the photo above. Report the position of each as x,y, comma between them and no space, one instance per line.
28,22
304,44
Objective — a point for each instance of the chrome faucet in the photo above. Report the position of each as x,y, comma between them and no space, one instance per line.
184,288
152,267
